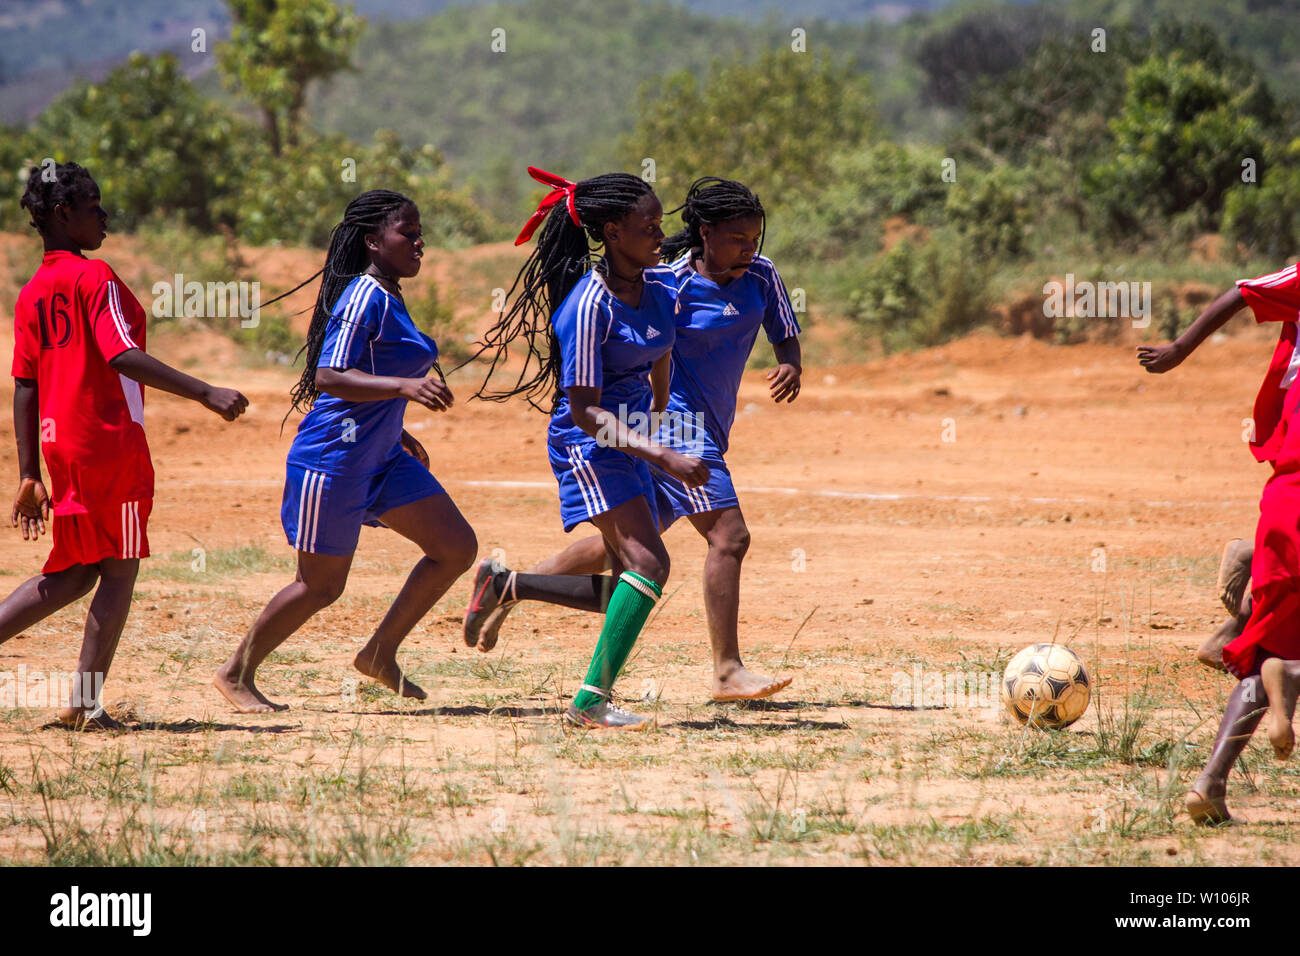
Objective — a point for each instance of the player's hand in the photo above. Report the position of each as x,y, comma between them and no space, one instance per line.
785,383
226,402
1161,358
429,392
414,448
689,471
31,508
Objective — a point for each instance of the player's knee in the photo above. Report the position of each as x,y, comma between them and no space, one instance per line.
733,543
324,593
654,567
463,551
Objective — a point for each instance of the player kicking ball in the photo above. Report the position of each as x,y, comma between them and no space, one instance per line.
352,462
79,363
1265,656
726,292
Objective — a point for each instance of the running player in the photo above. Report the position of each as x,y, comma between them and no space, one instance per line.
352,462
79,362
608,325
1269,297
1265,656
726,292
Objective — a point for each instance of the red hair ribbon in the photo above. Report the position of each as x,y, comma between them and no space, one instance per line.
563,190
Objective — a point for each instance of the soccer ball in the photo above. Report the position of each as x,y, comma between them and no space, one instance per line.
1046,685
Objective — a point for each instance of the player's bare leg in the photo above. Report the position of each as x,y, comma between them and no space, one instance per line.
1246,705
728,539
104,623
585,556
1234,573
39,597
319,582
1234,578
449,546
1281,680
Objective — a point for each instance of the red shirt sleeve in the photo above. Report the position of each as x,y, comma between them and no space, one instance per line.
105,315
1274,297
27,337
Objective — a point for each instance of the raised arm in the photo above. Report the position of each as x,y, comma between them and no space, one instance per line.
1162,358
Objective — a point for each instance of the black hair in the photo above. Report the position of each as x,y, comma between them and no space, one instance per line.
564,254
346,259
713,200
70,185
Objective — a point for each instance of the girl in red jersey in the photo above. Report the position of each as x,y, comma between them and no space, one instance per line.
1265,657
78,367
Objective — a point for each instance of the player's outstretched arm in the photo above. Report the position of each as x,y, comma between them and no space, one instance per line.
785,378
31,507
1162,358
147,370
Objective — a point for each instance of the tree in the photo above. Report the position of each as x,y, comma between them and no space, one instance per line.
277,48
772,123
1180,140
150,140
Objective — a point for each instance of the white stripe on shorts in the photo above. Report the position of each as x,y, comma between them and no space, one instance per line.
574,453
309,511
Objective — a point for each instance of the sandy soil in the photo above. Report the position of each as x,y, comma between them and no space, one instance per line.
1081,499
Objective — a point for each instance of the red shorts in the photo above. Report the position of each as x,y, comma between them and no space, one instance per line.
1273,629
118,531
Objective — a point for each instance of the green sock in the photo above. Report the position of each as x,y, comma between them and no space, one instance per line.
629,606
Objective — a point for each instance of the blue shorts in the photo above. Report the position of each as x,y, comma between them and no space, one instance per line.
675,500
323,514
595,478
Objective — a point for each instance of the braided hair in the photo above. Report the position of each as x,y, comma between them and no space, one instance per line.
346,259
71,186
712,200
563,255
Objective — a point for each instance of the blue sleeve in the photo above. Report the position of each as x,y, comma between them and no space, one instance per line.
778,318
352,325
581,325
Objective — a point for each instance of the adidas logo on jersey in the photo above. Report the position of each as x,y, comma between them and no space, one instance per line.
730,310
651,333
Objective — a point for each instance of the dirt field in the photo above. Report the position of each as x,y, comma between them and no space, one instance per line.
1081,499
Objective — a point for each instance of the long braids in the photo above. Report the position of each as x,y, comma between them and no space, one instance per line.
346,259
713,200
563,255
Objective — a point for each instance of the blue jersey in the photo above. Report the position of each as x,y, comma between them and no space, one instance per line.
607,344
368,329
716,330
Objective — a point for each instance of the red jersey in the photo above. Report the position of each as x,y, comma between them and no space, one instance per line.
71,320
1274,298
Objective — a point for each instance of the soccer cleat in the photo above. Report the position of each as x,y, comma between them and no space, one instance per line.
1234,573
606,716
484,599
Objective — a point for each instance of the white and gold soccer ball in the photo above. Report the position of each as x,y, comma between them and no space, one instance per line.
1046,685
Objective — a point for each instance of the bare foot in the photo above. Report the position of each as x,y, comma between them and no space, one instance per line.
1281,691
1206,804
387,673
243,695
1211,652
740,684
487,638
77,718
